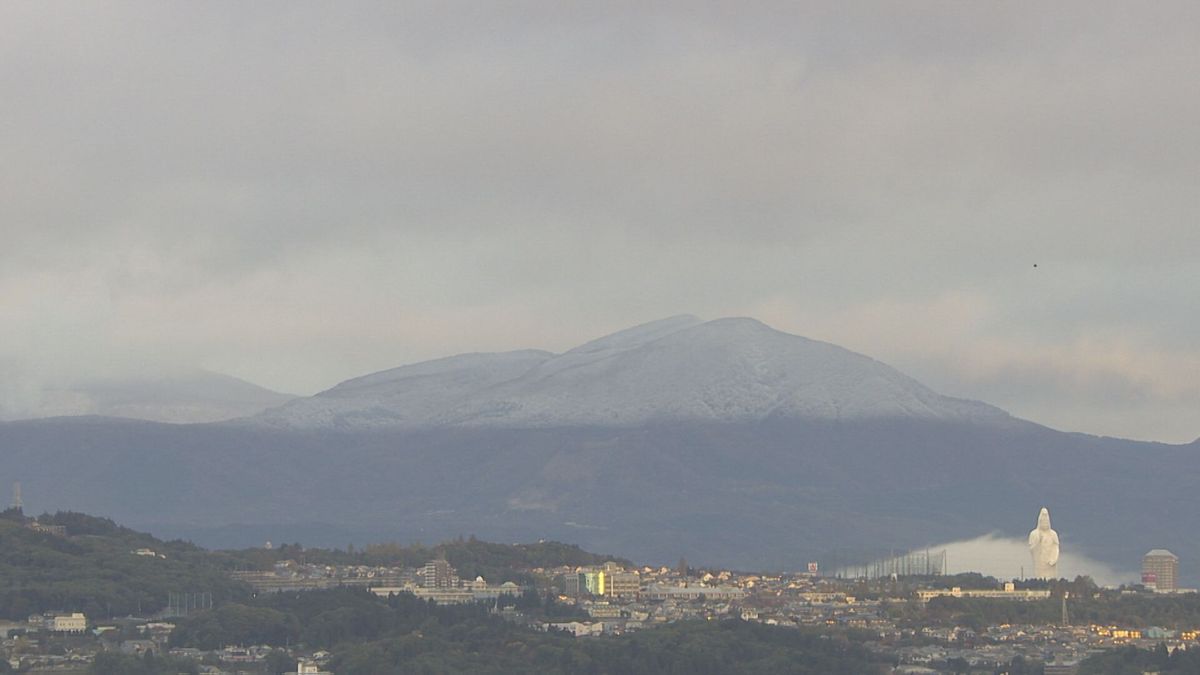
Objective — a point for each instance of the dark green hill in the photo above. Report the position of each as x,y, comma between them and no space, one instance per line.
471,557
95,569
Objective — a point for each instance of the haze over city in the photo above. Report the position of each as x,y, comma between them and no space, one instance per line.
997,199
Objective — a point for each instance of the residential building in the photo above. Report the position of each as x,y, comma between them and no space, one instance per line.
75,622
692,593
1160,570
577,628
1009,593
56,530
623,585
438,574
308,667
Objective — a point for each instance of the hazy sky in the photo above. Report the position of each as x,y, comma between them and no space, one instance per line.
296,193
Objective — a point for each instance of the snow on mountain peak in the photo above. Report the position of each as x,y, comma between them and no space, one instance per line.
675,369
638,335
477,369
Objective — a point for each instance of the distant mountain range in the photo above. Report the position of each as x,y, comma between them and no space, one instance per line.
725,441
182,398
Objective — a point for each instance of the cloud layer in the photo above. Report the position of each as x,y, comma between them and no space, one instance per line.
296,193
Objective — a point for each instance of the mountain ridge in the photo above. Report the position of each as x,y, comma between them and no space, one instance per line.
771,494
723,440
679,368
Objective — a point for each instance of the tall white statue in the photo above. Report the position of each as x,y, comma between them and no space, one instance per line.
1043,546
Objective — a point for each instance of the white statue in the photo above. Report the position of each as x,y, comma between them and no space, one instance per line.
1043,546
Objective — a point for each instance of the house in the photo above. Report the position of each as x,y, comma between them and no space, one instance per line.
308,667
75,622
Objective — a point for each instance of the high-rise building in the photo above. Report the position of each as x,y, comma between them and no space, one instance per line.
1160,570
438,574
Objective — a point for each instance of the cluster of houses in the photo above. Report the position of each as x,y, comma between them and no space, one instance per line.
611,599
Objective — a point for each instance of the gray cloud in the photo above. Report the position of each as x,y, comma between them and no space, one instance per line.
297,193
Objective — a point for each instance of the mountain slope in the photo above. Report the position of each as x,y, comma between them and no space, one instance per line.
406,396
769,494
677,369
186,397
728,370
725,441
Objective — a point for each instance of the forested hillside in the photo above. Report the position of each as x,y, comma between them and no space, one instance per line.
95,568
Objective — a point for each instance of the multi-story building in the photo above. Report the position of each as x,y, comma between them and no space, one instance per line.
1010,592
69,623
1160,570
438,574
610,581
593,582
573,584
622,585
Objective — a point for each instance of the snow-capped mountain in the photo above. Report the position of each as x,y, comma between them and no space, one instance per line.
723,440
408,396
676,369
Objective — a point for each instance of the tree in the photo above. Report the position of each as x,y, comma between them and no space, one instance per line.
958,665
278,661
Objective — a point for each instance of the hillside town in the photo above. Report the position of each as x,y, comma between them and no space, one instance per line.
612,600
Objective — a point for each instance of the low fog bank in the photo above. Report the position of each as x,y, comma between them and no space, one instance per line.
1004,558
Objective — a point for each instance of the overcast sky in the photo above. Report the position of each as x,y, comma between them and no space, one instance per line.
296,193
